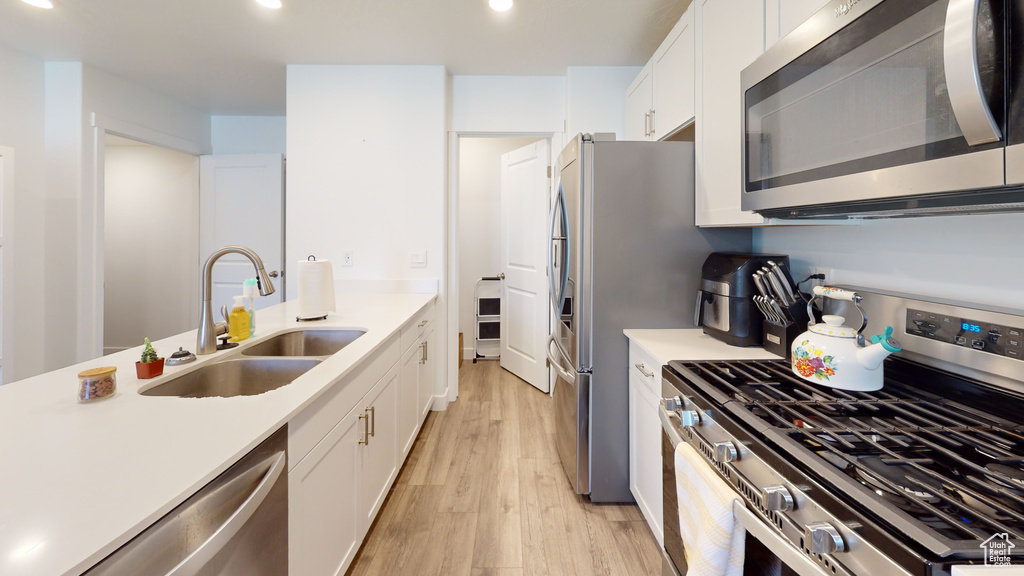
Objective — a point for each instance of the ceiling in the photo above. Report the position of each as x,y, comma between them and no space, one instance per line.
229,56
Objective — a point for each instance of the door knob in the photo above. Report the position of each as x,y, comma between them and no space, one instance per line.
501,276
273,274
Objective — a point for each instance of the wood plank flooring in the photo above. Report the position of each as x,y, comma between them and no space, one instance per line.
482,494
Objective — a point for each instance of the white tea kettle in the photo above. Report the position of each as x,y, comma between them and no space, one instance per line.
835,355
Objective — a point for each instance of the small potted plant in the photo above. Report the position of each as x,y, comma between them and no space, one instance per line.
150,366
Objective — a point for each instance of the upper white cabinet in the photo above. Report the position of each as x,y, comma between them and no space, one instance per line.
730,35
640,105
782,16
673,78
660,100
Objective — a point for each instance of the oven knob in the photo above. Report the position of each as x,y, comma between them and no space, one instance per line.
673,404
823,538
725,452
689,418
778,499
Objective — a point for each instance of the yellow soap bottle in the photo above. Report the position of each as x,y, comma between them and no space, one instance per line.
238,321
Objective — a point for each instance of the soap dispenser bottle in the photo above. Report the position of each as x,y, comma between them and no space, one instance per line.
238,321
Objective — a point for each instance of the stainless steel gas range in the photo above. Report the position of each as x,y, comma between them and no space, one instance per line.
924,477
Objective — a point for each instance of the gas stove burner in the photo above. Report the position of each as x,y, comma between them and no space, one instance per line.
877,475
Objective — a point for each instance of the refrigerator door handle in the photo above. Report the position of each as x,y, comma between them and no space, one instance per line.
557,289
565,374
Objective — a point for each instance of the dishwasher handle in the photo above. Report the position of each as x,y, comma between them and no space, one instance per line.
195,561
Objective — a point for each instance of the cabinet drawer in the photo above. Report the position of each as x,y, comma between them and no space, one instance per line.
314,423
646,367
412,331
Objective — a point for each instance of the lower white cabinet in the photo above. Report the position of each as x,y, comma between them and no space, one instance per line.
427,371
324,531
408,398
645,452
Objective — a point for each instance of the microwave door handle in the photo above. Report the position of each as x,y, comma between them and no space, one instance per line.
963,80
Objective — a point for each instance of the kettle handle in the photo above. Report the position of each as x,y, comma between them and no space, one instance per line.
838,294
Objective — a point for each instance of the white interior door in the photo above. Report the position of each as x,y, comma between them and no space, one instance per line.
241,202
525,190
6,263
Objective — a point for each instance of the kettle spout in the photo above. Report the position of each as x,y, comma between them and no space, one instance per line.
871,357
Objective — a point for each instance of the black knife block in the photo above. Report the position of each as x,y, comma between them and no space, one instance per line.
778,338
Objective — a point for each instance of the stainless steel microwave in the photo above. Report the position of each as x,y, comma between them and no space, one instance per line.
882,108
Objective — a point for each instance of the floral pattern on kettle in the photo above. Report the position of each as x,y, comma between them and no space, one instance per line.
809,361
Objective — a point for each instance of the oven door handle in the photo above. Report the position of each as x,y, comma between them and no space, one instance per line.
792,558
963,80
668,427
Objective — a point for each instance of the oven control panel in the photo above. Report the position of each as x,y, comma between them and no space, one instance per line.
966,332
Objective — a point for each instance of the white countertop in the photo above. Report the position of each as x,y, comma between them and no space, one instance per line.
79,480
691,344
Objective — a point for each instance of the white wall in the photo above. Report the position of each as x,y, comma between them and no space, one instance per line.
248,134
151,245
366,168
22,114
479,220
596,99
508,104
968,258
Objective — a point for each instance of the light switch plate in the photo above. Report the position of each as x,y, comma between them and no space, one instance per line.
418,259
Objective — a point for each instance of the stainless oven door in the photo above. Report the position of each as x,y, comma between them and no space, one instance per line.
876,99
767,551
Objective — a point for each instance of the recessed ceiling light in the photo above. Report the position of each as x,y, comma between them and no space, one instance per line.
501,5
39,3
275,4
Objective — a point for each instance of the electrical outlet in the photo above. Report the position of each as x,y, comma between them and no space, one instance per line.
830,275
346,258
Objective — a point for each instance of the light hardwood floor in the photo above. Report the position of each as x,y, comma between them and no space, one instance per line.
483,494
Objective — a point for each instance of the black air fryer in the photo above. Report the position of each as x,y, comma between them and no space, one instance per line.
725,307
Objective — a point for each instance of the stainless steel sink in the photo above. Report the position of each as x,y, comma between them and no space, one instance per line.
305,343
234,377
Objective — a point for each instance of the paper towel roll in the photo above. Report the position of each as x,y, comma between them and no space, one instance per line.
316,288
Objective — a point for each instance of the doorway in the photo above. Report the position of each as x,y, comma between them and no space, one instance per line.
150,242
478,258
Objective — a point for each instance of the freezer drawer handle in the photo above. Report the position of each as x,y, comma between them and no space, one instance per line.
565,374
195,561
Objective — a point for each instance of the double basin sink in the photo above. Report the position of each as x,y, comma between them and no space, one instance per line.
260,368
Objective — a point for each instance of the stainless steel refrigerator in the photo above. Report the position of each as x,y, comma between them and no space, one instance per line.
624,253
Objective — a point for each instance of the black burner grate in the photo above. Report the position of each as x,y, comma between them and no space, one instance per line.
953,467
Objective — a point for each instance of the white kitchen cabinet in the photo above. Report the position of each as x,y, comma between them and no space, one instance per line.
640,104
673,75
645,438
661,100
408,399
324,532
378,458
427,372
729,36
782,16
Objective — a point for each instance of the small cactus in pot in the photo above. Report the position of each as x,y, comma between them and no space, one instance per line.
150,365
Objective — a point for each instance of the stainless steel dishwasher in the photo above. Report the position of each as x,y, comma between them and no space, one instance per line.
235,525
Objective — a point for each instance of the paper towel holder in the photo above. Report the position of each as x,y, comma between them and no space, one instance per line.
311,258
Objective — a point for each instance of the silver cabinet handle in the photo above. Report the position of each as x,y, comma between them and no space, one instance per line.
643,370
197,560
426,351
963,81
652,122
422,324
373,420
366,429
423,352
647,123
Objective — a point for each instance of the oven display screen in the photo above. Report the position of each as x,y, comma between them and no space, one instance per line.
968,327
979,335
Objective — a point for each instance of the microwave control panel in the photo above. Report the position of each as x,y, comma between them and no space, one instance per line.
984,336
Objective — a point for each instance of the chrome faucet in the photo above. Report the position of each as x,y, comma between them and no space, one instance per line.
206,342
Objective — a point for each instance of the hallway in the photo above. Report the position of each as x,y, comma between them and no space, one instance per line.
482,493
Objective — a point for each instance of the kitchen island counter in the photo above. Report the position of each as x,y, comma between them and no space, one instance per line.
80,480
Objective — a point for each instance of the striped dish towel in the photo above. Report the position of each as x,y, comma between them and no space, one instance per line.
711,536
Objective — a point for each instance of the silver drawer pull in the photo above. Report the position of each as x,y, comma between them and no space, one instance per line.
422,324
365,441
643,370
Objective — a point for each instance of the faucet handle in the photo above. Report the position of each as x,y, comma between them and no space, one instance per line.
224,312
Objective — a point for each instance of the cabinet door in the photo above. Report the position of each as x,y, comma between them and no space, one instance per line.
379,456
639,102
645,454
673,78
729,36
408,399
782,16
428,368
323,520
